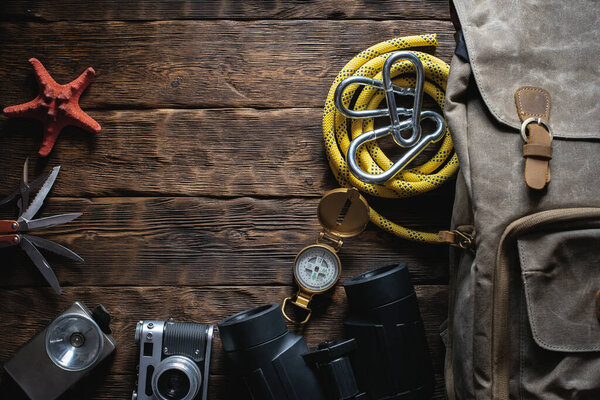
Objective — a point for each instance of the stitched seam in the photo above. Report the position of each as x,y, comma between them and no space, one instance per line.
523,321
534,328
495,112
475,69
531,313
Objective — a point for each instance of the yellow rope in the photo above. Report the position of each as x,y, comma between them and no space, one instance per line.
428,176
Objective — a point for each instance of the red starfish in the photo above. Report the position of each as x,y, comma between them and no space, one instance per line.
56,105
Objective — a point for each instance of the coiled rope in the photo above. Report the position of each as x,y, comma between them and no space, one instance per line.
407,183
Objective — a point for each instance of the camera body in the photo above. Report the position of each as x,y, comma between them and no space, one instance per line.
174,360
67,350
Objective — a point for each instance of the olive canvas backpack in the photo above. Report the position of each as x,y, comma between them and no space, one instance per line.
523,105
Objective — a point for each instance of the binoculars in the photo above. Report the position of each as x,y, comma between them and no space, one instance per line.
384,354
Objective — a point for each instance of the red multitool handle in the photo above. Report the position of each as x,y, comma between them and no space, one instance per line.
8,226
9,240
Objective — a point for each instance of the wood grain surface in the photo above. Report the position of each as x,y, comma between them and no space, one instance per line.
207,241
189,64
148,10
215,152
204,181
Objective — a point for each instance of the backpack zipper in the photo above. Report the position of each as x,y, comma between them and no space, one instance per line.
500,328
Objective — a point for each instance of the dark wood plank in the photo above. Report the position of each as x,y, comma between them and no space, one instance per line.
100,386
225,152
197,63
205,241
101,10
204,250
27,311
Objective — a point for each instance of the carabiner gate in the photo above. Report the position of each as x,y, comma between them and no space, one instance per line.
415,143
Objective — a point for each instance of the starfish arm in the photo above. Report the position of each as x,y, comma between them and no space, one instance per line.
79,85
77,117
84,121
51,132
26,110
41,74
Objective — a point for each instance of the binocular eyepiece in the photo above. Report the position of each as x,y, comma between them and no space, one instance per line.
384,355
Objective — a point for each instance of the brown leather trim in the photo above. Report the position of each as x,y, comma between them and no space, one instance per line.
446,237
536,150
534,102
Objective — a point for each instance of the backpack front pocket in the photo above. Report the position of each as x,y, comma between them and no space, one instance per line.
551,348
561,280
560,343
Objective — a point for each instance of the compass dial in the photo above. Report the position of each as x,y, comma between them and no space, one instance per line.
317,268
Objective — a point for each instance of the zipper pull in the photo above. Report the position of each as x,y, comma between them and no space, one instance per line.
461,237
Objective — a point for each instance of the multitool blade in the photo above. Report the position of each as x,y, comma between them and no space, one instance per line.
54,247
40,262
24,188
46,222
36,204
9,198
24,200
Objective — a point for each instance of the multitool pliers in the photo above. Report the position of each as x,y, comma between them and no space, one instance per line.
11,231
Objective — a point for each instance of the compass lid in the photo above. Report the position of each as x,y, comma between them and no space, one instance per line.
343,212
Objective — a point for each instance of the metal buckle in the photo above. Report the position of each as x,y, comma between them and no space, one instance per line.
414,142
538,121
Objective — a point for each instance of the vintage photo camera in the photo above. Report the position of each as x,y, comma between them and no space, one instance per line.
174,360
55,359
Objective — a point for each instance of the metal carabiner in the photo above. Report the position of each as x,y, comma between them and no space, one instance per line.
414,142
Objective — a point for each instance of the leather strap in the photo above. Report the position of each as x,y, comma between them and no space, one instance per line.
535,150
534,102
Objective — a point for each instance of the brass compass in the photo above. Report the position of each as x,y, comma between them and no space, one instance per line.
343,213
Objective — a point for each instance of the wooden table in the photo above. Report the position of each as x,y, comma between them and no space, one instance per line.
204,181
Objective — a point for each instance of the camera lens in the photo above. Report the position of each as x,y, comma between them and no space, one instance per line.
174,384
176,378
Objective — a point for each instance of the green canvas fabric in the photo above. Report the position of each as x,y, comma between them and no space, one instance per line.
554,331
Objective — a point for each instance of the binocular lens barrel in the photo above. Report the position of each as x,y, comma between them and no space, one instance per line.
392,358
268,357
252,327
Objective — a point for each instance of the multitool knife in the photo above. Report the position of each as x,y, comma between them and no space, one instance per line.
12,231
